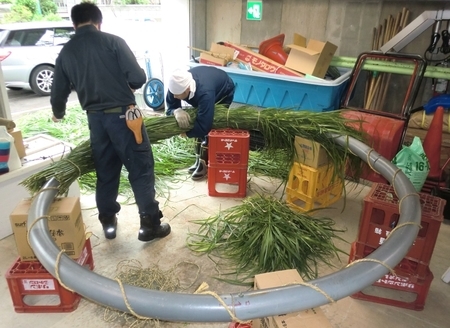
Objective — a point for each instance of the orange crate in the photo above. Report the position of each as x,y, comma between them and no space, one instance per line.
30,284
310,188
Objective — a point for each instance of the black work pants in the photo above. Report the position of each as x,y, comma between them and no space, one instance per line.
113,145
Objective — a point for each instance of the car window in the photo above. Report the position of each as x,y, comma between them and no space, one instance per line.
3,34
63,35
40,37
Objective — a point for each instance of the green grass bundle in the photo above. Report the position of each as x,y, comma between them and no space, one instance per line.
264,235
279,128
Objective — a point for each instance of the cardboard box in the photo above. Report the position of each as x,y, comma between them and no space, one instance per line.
261,63
18,143
304,319
312,57
309,152
219,55
65,224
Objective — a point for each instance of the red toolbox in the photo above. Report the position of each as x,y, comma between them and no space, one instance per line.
380,215
34,290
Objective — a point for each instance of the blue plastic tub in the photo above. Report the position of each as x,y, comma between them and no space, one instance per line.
288,92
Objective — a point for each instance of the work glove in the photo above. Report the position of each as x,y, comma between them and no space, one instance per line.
182,117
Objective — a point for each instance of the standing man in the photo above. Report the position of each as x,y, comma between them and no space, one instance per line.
202,87
104,72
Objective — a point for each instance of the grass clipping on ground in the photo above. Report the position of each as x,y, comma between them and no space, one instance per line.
265,235
278,126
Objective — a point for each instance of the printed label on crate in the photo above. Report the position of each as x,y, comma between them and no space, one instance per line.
384,234
228,143
227,173
38,284
391,280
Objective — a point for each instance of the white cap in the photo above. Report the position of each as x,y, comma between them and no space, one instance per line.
180,81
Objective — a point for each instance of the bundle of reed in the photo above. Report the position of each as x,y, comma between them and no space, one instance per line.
279,127
377,84
263,234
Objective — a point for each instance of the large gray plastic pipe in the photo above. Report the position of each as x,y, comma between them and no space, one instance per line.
246,305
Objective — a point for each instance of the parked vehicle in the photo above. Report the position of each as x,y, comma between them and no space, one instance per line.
28,52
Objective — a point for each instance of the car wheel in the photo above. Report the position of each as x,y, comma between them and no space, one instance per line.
42,80
14,88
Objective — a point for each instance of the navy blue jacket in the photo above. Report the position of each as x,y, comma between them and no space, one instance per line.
213,86
102,69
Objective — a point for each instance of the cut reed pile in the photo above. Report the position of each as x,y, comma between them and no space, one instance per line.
278,126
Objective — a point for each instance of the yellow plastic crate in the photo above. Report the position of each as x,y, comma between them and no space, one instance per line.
310,188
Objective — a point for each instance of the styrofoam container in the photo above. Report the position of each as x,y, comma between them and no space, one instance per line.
287,92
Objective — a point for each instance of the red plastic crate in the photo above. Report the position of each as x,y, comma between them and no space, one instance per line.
402,284
384,136
227,181
403,281
228,147
30,279
380,215
411,269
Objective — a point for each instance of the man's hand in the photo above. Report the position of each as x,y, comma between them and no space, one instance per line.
56,120
182,117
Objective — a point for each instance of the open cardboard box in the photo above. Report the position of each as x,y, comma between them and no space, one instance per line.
310,153
304,319
312,57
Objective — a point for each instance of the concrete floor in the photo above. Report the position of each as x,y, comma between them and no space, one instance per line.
187,201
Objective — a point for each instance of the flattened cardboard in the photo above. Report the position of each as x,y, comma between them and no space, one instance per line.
220,56
310,153
65,224
304,319
261,63
18,143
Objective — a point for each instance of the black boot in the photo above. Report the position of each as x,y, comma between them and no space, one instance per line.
149,230
109,224
202,168
198,144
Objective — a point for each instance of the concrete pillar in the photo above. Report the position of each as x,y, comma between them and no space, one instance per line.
176,29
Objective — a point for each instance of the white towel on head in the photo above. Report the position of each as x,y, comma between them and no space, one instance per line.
179,81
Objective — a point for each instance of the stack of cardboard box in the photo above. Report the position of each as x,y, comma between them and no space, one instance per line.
311,57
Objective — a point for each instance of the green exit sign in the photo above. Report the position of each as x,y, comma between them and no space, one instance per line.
254,10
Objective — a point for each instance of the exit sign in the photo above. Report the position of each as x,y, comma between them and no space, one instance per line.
254,10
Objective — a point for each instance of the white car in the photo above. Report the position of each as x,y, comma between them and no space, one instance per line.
28,52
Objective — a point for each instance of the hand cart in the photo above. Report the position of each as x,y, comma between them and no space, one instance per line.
153,91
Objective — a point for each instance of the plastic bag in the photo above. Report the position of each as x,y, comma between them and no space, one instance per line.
413,162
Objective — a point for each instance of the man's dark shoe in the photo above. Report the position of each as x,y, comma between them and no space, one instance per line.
109,225
147,233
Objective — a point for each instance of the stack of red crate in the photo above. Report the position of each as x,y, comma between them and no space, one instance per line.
29,280
228,152
379,217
